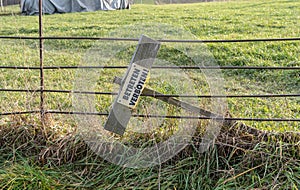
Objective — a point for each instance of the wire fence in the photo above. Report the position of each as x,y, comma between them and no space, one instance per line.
41,68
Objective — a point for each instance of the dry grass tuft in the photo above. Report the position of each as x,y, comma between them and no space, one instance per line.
235,140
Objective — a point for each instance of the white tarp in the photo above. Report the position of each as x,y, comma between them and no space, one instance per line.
31,7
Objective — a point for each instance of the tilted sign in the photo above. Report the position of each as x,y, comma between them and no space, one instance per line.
132,85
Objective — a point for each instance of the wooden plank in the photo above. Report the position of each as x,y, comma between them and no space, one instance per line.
175,102
144,56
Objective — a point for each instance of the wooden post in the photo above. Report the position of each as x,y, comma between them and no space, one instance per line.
143,58
175,102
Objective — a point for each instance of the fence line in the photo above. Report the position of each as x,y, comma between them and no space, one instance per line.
42,111
156,95
161,116
136,39
155,67
20,113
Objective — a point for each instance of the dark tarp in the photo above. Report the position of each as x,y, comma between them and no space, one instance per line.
31,7
9,2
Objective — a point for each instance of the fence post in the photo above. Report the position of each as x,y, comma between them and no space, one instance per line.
42,108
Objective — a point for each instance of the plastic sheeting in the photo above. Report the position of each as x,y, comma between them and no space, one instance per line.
31,7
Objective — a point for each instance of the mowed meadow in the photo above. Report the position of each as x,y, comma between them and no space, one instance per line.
236,167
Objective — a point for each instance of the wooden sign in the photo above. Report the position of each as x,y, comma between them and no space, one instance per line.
132,85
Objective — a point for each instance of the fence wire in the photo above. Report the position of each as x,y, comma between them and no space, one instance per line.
158,116
156,95
154,67
136,39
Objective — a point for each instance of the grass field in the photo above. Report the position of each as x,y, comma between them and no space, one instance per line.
267,165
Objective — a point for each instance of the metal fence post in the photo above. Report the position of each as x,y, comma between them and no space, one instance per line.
42,87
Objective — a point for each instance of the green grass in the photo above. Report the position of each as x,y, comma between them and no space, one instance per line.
267,165
214,20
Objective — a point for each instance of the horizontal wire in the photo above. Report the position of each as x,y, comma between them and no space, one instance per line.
19,113
154,67
156,95
162,116
136,39
178,117
57,91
